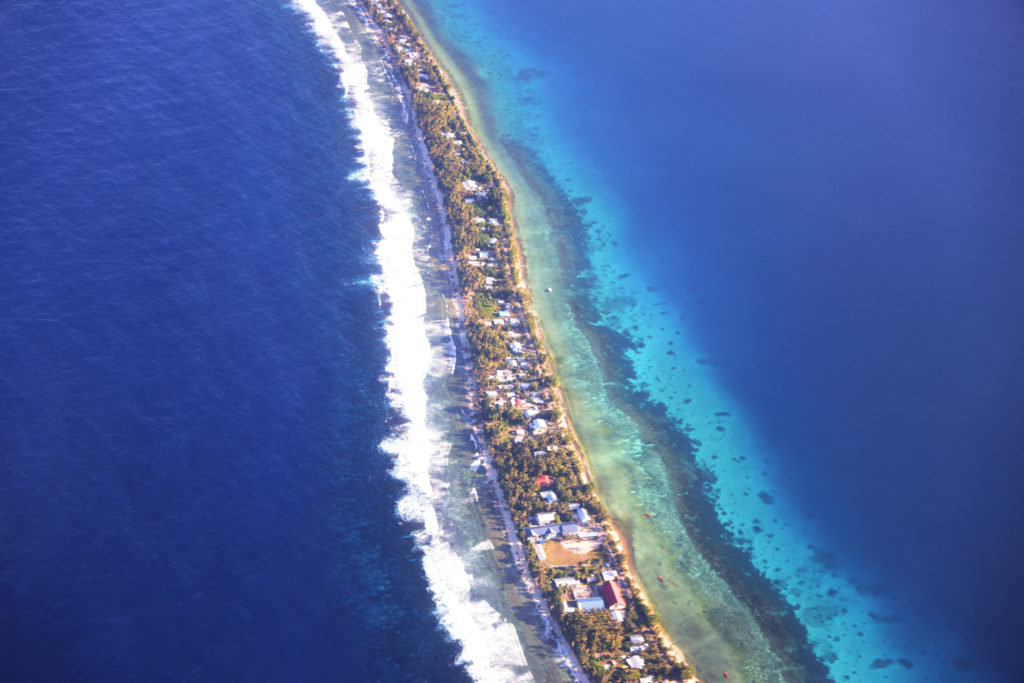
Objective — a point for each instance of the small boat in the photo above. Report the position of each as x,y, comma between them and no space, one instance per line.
661,578
549,290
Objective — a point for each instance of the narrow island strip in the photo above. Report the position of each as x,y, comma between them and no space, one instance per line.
573,555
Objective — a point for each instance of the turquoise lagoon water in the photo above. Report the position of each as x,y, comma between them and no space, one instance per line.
782,243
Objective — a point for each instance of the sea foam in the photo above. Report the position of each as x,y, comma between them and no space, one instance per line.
490,647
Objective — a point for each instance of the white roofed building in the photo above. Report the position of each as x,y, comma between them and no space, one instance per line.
544,518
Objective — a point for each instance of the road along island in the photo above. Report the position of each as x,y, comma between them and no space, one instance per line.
560,532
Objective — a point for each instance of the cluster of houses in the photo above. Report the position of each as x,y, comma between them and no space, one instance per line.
409,55
599,591
516,386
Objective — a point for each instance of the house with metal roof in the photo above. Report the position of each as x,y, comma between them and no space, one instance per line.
613,598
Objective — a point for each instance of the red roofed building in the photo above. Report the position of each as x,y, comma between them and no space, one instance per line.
545,480
612,594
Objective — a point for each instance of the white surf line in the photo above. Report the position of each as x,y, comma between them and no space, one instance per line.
490,647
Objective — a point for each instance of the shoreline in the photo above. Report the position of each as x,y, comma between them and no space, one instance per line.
423,391
520,270
614,539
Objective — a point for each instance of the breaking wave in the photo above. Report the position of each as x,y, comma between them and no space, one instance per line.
490,647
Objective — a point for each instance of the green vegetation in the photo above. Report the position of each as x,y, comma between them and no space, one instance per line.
592,633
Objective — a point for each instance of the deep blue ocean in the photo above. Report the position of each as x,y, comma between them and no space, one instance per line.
830,196
190,359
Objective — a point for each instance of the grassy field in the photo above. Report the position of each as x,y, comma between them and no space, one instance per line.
568,553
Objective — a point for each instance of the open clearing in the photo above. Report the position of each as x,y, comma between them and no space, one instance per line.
568,553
